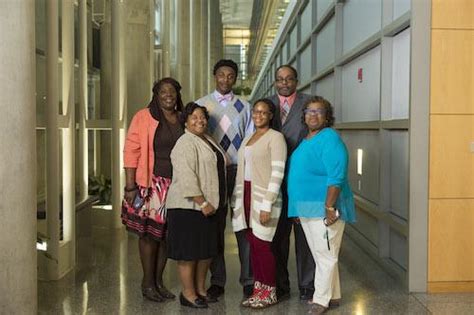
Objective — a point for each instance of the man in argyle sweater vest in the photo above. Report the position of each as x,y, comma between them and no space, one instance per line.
229,123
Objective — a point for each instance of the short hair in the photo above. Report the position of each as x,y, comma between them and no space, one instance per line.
330,119
189,110
226,63
157,86
289,67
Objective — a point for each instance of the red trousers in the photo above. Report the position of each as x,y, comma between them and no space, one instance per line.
261,256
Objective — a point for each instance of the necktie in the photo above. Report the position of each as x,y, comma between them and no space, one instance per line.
284,110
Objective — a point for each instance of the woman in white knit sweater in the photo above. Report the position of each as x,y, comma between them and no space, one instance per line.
257,199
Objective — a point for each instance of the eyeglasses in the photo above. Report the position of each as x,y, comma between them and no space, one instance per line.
314,112
260,112
286,80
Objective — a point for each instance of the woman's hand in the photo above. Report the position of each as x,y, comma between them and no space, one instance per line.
331,217
264,217
129,196
208,210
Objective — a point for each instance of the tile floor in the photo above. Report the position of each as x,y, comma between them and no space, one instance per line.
108,274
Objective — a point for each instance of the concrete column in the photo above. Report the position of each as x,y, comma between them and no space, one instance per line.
138,54
195,48
51,262
82,148
18,288
68,140
183,48
165,38
103,111
119,96
204,62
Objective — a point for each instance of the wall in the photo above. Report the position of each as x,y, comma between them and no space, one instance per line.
451,181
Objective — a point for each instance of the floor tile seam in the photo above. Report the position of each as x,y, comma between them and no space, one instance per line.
422,304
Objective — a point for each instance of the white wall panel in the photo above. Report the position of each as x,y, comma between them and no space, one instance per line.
401,75
361,99
367,184
326,46
399,249
306,24
305,65
322,6
361,19
400,7
399,173
325,88
293,41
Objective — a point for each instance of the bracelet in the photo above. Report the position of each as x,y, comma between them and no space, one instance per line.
330,209
130,189
203,205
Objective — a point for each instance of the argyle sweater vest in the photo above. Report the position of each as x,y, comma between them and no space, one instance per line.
227,124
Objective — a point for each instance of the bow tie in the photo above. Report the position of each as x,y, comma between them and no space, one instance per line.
225,98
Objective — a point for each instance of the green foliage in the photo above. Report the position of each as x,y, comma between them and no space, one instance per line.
242,90
101,186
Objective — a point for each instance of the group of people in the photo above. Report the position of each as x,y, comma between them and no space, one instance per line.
276,166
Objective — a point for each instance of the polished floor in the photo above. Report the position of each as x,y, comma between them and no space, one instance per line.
108,274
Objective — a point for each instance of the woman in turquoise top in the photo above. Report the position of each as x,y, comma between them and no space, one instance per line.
319,195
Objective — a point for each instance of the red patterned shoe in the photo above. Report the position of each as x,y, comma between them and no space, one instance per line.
257,289
266,298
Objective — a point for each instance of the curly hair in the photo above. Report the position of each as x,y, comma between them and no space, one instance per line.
330,119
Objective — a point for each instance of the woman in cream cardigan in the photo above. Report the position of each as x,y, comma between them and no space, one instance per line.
257,199
197,192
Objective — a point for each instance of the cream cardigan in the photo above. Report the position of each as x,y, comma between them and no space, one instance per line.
194,172
267,163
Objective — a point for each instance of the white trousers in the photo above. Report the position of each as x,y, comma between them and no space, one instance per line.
324,243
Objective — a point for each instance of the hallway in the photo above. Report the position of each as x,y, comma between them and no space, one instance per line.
108,275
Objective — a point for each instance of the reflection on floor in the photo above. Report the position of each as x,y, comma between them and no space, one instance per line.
108,274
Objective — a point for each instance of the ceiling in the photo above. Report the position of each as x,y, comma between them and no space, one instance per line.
236,13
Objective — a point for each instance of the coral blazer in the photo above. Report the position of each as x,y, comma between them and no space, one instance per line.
138,151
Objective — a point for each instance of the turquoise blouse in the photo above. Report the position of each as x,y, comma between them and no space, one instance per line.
316,164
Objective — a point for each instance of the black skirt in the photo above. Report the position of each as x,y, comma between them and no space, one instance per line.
191,235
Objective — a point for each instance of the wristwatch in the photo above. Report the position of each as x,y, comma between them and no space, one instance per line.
204,204
331,209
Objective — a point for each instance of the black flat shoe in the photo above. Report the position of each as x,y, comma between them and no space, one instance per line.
151,294
306,294
164,292
198,303
215,291
208,298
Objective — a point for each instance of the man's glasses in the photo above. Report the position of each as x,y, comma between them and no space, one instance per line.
314,112
286,80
